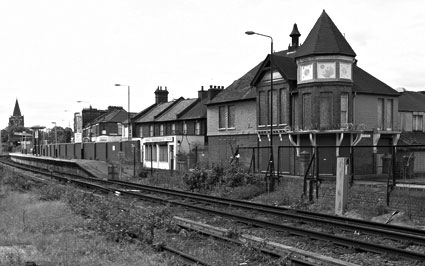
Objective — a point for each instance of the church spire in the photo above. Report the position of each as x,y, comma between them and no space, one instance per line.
17,110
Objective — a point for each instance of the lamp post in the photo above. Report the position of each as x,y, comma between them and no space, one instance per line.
128,111
271,162
56,139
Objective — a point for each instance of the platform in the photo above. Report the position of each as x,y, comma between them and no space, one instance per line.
98,169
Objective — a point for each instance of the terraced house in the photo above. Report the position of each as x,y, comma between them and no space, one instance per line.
173,132
320,96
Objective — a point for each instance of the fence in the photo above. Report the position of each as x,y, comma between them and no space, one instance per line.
102,151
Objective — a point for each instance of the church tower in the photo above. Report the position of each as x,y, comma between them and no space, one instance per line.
16,120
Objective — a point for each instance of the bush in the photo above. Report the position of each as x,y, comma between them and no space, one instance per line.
196,179
199,179
234,177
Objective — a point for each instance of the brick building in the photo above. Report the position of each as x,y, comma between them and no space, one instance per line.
320,97
173,131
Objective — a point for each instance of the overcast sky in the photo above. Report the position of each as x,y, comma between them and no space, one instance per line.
54,53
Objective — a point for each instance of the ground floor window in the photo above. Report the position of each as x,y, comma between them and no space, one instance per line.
150,153
163,153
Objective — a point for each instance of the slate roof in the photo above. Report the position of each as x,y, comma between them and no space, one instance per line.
114,116
364,82
157,109
199,110
240,89
324,39
411,101
172,113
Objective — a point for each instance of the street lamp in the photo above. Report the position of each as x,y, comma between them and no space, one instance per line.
271,162
56,139
128,111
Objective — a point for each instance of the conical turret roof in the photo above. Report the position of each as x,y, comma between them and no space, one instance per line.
325,39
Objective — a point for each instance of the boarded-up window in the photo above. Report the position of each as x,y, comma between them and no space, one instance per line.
325,110
380,113
307,111
283,107
275,106
262,108
231,116
268,107
295,111
344,109
389,114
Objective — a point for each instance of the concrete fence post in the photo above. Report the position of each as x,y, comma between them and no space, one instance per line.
342,176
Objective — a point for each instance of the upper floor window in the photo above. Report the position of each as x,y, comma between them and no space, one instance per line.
173,128
325,114
120,129
283,106
151,131
231,116
197,128
184,128
262,108
140,132
226,117
307,111
417,122
161,130
389,114
385,114
344,109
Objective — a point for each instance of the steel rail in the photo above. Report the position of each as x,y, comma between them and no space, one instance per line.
184,255
350,243
343,241
415,236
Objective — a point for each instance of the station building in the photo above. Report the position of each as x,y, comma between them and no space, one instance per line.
320,97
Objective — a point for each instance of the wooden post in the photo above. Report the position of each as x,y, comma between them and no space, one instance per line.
341,192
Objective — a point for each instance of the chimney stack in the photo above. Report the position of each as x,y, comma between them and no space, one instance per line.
161,96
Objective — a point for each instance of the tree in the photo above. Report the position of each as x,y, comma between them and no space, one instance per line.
60,134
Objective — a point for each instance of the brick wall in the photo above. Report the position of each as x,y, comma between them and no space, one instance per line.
245,119
365,110
220,149
370,200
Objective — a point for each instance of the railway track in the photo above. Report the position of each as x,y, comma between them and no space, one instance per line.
398,233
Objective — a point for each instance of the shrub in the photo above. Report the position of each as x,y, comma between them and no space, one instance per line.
196,179
233,177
